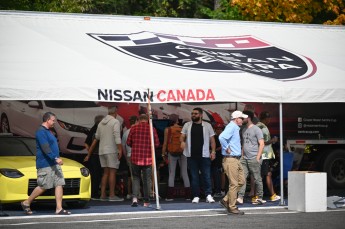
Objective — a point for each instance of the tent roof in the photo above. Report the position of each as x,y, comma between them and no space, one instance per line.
116,58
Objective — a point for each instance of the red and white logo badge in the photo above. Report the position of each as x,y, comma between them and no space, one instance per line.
221,54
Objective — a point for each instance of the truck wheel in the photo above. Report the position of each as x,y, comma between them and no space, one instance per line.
5,125
334,166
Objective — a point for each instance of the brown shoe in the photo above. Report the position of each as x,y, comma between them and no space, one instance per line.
235,212
224,204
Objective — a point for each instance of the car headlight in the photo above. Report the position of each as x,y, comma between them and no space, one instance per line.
11,173
85,172
73,128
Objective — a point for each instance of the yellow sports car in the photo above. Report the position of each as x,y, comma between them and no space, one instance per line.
18,174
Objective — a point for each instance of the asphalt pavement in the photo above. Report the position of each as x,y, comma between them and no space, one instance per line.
97,206
176,214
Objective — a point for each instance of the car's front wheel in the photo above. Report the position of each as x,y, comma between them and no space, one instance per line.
5,125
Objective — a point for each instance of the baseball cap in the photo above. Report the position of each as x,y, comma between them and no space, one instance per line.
238,114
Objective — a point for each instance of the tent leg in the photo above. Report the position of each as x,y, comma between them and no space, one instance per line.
158,207
282,202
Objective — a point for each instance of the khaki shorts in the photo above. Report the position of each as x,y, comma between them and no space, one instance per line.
109,160
50,177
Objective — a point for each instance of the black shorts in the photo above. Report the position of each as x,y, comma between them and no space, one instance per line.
266,167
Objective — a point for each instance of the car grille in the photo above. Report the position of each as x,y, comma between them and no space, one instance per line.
71,187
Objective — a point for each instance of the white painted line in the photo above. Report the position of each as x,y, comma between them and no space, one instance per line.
146,217
132,213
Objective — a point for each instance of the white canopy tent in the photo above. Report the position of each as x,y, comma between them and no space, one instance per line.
75,57
119,59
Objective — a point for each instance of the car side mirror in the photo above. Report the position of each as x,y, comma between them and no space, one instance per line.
34,104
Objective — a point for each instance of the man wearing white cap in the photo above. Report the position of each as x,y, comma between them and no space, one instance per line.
230,141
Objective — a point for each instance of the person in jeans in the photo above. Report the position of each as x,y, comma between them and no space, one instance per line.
196,139
139,140
230,141
127,152
172,162
92,162
252,148
216,165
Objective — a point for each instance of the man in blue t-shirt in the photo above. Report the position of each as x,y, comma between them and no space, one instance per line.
48,162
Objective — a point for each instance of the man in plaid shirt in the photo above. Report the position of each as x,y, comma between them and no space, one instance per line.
141,157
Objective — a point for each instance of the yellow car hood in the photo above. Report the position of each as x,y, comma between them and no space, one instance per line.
28,163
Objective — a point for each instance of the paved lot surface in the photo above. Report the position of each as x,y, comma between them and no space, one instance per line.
41,209
177,214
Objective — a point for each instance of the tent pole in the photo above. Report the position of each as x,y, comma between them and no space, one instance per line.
153,153
282,202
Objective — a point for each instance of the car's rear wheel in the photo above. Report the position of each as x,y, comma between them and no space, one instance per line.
5,125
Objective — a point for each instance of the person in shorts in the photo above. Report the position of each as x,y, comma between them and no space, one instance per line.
108,134
268,155
48,164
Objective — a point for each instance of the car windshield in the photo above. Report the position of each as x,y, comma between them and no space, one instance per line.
70,104
17,147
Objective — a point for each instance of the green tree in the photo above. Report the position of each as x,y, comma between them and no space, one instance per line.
293,11
68,6
222,10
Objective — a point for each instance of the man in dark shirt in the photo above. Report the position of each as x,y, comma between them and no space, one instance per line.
92,161
196,138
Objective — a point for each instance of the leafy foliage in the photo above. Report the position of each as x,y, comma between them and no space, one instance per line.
68,6
291,11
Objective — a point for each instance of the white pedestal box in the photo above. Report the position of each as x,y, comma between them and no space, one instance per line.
307,191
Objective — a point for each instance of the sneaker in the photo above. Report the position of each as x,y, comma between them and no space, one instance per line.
147,204
115,198
104,199
218,195
195,200
254,198
235,212
209,199
128,196
274,197
239,201
134,204
259,201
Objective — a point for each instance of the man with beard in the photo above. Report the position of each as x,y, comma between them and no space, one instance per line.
252,147
196,138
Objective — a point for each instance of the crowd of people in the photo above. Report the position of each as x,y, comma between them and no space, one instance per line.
214,160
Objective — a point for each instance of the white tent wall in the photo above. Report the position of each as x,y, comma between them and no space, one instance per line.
48,56
67,49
